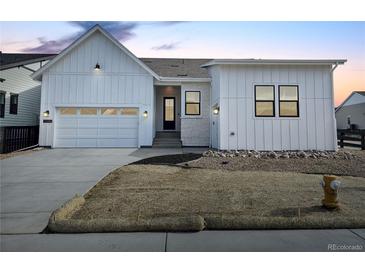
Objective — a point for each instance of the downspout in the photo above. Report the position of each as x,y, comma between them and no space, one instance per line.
333,108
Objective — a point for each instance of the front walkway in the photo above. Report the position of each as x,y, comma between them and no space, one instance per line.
35,184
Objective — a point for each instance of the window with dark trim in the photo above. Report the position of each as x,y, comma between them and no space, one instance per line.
264,101
192,102
13,104
2,104
288,101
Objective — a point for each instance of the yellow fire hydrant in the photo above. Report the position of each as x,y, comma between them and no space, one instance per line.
330,187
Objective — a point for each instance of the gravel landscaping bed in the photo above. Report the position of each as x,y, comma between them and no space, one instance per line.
171,198
343,162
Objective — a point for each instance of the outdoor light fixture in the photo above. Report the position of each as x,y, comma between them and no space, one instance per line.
216,110
97,66
145,113
46,113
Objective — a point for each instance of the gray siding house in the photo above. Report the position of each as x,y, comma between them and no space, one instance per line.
352,111
96,93
20,95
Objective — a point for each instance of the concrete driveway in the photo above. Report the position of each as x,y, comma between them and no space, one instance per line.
35,184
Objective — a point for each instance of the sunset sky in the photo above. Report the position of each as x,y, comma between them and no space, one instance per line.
311,40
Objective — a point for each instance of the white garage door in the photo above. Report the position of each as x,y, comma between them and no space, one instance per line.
97,127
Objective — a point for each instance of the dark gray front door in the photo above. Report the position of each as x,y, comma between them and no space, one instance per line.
169,113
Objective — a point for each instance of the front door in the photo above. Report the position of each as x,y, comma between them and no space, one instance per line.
169,113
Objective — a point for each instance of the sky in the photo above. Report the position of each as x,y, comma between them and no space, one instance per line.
297,40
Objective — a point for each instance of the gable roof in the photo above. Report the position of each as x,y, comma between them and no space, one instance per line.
38,74
11,60
348,98
275,62
177,67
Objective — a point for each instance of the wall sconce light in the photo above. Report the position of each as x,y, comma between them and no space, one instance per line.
216,110
145,114
97,66
46,113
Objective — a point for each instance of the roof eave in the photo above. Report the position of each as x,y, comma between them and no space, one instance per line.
27,62
274,62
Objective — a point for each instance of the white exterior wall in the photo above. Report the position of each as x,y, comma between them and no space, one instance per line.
313,129
195,130
18,81
72,81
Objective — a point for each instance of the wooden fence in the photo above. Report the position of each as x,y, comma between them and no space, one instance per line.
356,136
16,138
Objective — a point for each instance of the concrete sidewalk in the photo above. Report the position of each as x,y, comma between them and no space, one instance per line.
264,240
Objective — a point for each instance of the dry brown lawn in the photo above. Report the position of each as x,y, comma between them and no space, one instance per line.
224,199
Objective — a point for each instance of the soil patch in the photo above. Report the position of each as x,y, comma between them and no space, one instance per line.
169,159
167,198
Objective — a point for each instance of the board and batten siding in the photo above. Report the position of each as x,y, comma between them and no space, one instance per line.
121,82
18,81
240,129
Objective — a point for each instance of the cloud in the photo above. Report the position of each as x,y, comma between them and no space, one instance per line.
170,46
122,31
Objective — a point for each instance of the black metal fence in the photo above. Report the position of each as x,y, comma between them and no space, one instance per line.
355,136
15,138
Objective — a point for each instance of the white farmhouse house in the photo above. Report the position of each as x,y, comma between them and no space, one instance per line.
351,113
96,93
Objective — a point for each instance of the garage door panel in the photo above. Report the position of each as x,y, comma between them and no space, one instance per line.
87,122
128,133
67,133
96,130
108,142
64,142
108,132
87,133
87,142
128,123
67,122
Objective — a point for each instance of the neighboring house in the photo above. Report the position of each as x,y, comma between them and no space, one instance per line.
96,93
20,95
351,113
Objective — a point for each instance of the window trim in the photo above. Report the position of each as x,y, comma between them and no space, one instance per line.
295,101
13,108
2,108
186,103
270,101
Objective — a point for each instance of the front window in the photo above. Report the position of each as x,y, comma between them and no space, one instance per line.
264,101
13,104
288,101
2,104
192,103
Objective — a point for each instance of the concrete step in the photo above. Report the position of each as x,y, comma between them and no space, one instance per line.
167,140
166,145
168,134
